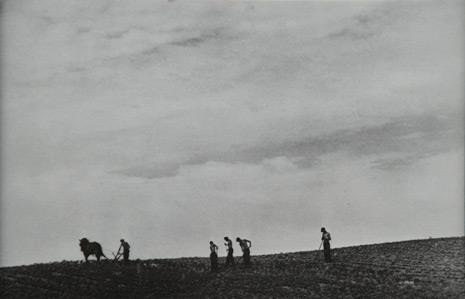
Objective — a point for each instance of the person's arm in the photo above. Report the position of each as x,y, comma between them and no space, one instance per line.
250,243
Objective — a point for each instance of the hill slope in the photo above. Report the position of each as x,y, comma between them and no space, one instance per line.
433,268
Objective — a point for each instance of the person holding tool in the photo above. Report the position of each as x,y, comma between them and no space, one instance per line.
325,238
213,256
125,246
230,250
245,246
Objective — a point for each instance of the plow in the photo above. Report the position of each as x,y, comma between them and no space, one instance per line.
117,255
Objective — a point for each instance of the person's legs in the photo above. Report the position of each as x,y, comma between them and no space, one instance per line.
126,256
230,259
214,262
245,256
327,251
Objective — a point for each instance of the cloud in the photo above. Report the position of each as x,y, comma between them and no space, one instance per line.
401,142
371,23
195,41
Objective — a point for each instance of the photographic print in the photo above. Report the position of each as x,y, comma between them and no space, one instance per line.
232,149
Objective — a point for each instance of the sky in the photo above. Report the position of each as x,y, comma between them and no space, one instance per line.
174,123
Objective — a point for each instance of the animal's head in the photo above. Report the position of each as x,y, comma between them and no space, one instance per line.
83,242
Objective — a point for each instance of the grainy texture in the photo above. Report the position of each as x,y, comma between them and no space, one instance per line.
433,268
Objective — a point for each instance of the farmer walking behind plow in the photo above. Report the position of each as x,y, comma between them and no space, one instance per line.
125,246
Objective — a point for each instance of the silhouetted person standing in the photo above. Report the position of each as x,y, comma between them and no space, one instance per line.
214,256
125,246
326,237
245,246
229,258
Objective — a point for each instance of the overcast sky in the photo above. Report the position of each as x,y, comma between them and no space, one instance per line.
173,123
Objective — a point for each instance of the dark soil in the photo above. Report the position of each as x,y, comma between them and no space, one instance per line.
433,268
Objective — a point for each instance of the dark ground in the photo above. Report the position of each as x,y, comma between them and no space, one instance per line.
433,268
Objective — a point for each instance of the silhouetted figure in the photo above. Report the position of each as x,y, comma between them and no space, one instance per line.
214,256
326,237
91,248
245,246
230,250
125,246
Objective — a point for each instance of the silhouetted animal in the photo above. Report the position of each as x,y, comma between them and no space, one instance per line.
91,248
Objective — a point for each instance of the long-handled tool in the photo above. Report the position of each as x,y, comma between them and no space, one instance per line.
316,255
